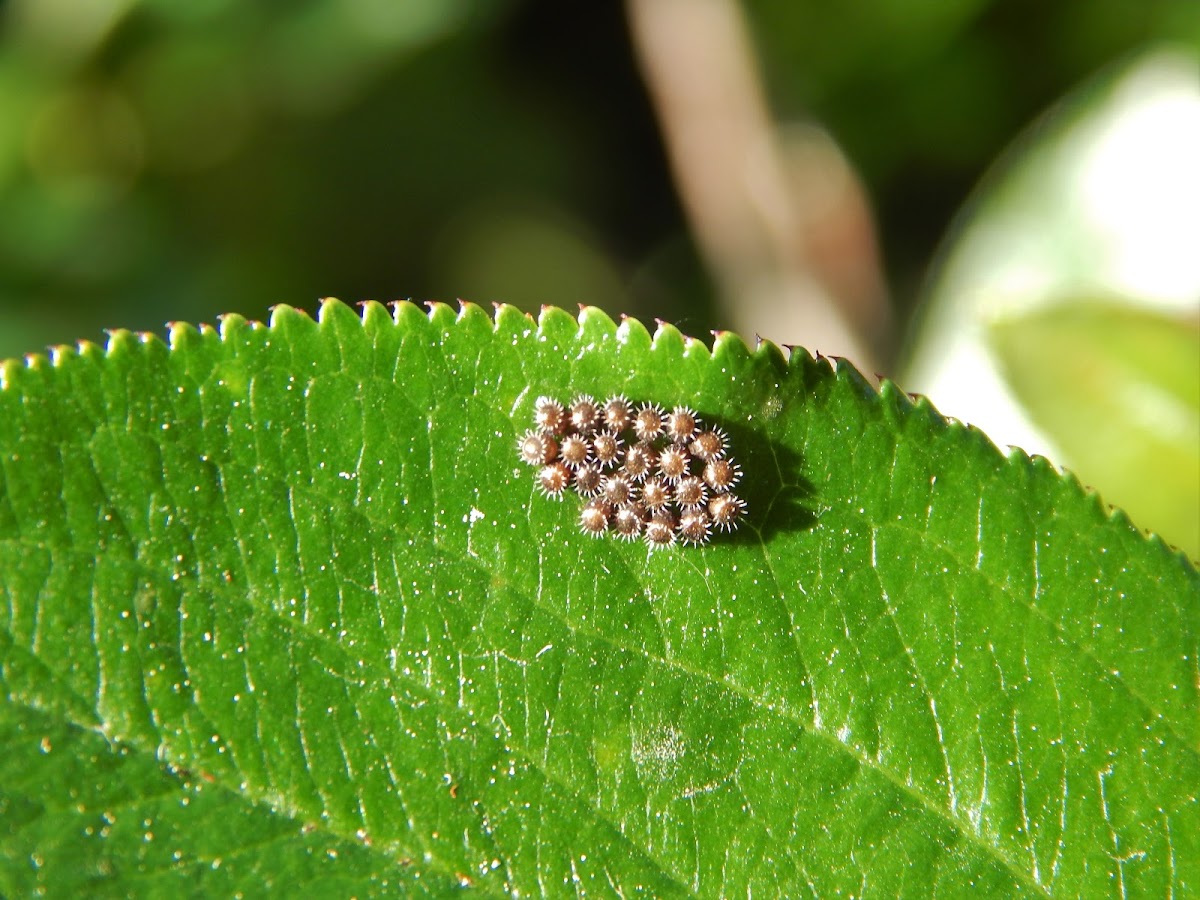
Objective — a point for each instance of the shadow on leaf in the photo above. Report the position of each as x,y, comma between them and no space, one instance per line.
778,496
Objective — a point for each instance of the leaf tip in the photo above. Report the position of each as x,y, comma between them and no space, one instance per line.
473,314
373,313
796,355
772,353
282,311
60,353
331,311
178,334
510,319
12,369
848,373
632,333
695,347
328,306
229,325
553,320
440,313
667,338
729,345
593,318
407,310
119,340
762,346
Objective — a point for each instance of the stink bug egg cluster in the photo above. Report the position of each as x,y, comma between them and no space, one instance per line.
664,477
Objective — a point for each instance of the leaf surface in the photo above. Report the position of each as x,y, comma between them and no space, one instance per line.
282,607
1118,388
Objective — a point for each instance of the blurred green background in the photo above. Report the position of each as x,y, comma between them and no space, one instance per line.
164,160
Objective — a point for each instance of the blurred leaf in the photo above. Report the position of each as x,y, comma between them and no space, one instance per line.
282,610
1095,204
1118,389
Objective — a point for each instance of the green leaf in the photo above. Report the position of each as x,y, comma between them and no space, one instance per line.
1118,389
1007,341
282,609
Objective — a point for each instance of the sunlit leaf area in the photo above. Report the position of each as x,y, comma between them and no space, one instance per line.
283,607
304,597
797,171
